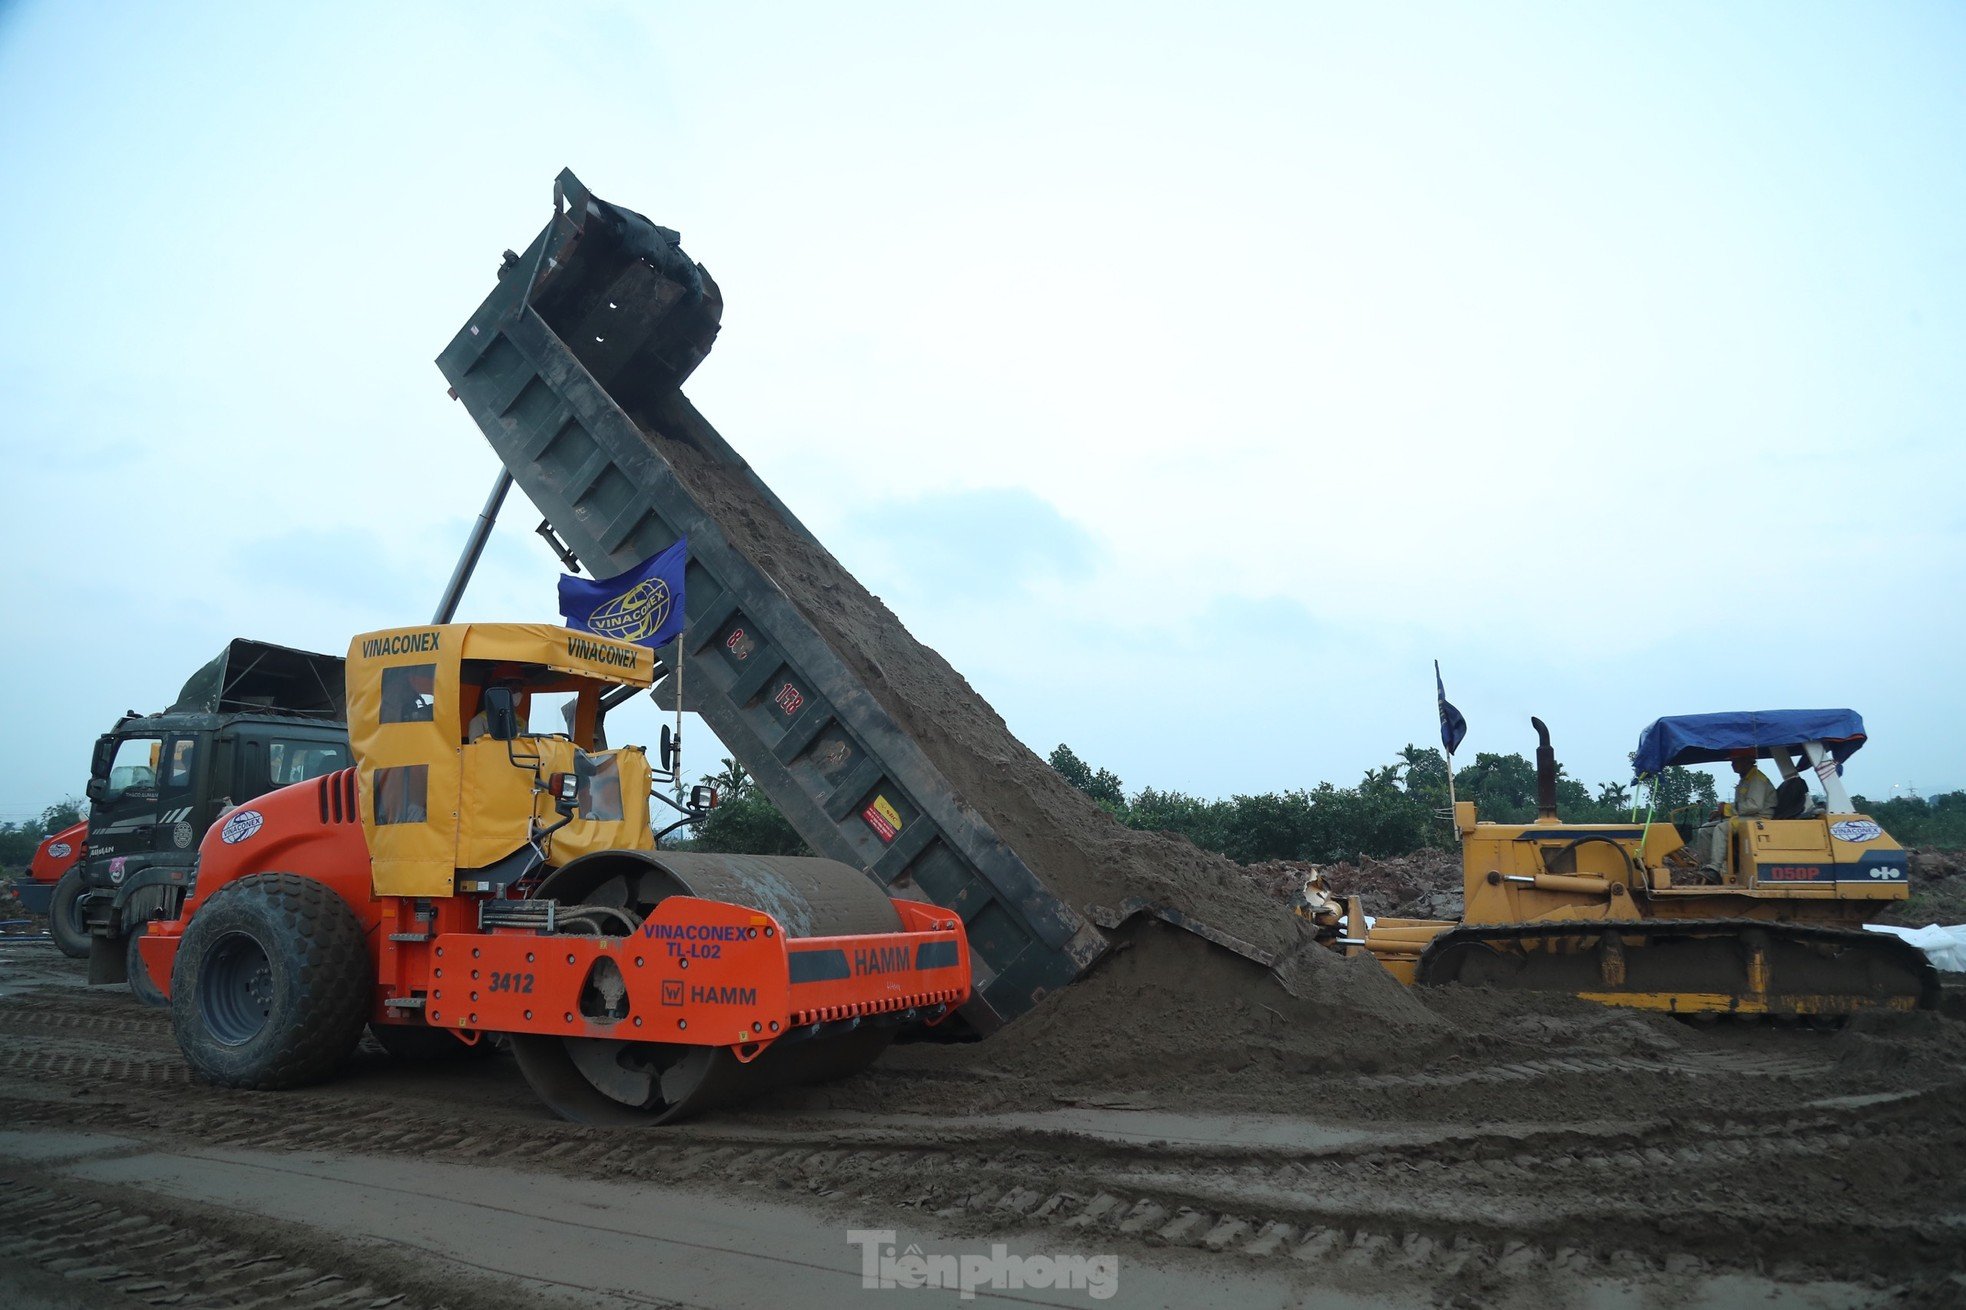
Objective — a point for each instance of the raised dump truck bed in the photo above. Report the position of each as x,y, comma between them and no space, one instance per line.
571,368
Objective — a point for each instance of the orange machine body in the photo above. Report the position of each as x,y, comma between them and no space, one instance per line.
58,852
697,972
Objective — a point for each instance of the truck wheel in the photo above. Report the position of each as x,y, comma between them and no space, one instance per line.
141,985
272,983
65,922
410,1041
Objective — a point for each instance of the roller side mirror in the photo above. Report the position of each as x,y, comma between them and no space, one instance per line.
501,709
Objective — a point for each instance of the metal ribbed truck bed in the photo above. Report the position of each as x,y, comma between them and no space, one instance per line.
571,368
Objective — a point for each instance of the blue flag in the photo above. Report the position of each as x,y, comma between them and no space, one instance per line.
1452,726
643,605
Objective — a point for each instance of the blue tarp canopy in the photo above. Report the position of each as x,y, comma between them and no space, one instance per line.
1713,738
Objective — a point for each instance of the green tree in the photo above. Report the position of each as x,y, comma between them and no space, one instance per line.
1685,796
733,781
1503,787
1921,820
18,840
1101,784
749,825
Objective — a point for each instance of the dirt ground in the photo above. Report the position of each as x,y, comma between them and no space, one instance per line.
1938,890
1226,1141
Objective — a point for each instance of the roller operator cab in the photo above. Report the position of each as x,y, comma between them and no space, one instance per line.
255,718
1760,912
475,875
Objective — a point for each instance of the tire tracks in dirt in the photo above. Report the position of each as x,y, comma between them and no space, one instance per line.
1675,1196
112,1247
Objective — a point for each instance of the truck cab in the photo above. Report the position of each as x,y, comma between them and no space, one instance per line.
256,718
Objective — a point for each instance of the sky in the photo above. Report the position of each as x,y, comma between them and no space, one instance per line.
1191,377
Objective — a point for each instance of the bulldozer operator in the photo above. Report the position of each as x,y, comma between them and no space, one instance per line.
1754,798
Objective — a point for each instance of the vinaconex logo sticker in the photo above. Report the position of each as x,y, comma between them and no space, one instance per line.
240,826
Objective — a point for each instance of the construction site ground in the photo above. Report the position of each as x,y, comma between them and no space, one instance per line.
1227,1142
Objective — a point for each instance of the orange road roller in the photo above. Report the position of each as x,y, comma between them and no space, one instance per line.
473,877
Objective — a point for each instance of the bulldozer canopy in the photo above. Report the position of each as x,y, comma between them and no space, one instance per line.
1714,738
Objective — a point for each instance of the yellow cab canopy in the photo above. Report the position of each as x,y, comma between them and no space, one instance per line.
440,797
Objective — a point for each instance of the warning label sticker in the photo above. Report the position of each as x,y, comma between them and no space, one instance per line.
883,818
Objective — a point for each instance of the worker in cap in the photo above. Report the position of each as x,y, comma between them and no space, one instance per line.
1754,798
1754,795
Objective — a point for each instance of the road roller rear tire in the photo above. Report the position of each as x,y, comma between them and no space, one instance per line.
272,984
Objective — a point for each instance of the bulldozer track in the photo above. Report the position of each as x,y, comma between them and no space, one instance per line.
159,1258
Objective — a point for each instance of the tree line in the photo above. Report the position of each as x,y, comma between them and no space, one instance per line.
18,840
1396,809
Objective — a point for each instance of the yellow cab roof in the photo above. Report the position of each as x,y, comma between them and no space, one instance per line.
580,655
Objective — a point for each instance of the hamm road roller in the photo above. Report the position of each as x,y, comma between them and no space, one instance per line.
473,877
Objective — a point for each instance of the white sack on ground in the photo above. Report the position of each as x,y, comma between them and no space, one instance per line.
1944,944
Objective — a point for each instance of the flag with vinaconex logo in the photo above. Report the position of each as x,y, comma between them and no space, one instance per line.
643,605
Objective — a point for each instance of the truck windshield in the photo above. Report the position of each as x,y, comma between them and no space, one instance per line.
133,771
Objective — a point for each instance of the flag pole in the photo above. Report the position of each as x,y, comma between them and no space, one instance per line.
677,781
1453,811
1447,743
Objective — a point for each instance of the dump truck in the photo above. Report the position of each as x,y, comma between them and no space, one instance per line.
1764,918
572,369
256,717
470,878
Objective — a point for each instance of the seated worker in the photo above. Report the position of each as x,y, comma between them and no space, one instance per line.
1754,798
1754,795
479,725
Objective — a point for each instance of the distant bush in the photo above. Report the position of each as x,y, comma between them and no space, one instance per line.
1922,820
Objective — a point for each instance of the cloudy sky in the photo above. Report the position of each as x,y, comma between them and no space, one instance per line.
1190,377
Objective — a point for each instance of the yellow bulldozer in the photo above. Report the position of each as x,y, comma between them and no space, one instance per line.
1761,914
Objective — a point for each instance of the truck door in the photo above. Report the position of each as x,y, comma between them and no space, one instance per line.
126,805
182,812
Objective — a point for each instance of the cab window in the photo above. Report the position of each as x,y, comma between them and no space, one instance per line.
599,786
402,794
133,769
289,762
407,691
180,763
